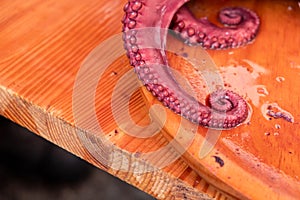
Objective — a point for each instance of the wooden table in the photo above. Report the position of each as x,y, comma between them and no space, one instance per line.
64,76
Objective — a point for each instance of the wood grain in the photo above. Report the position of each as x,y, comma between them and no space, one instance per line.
54,81
260,157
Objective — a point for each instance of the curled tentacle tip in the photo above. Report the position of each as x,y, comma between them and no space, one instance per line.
228,109
241,27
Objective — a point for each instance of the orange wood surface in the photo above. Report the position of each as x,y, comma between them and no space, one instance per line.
64,75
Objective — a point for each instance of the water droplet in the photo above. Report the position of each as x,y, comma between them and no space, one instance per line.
280,79
277,126
262,90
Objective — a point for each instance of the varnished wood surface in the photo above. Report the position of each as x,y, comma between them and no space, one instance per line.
50,83
260,157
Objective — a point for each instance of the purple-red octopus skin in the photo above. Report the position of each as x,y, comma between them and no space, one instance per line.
241,27
146,53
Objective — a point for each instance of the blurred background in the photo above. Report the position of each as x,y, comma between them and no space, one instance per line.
32,168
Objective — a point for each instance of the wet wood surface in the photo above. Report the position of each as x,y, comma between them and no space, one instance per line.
64,75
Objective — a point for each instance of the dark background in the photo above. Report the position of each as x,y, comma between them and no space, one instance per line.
32,168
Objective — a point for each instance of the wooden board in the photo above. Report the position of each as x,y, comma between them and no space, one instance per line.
260,158
64,76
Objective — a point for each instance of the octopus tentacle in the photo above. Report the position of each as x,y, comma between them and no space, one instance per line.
241,27
146,53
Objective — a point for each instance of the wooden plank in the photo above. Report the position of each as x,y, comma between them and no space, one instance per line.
51,82
260,158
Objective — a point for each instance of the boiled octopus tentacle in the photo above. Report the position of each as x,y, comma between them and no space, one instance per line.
146,53
241,27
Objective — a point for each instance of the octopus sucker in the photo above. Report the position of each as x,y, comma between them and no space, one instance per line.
144,34
241,25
